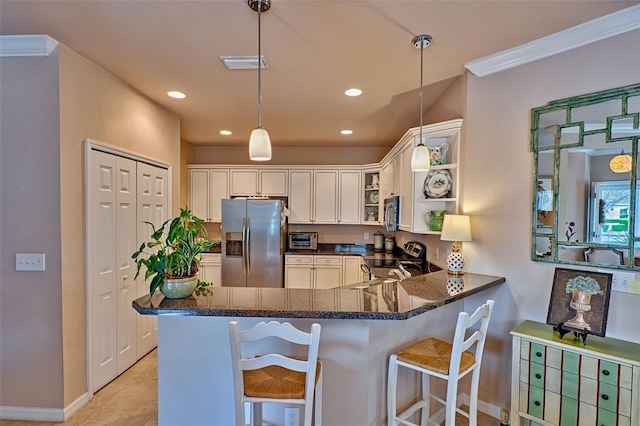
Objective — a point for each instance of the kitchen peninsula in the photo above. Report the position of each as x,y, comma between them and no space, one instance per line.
361,325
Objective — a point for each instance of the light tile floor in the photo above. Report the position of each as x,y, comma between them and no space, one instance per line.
129,400
132,400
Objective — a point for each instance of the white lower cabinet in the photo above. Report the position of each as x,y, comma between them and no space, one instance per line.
211,269
352,270
313,271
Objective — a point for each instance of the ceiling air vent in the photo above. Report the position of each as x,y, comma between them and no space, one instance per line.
243,62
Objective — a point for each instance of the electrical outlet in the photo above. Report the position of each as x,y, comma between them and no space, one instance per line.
620,281
29,261
366,235
292,416
504,416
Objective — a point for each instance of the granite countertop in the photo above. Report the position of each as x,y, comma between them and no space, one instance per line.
377,299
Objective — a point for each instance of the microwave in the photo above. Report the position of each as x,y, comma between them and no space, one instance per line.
303,241
391,213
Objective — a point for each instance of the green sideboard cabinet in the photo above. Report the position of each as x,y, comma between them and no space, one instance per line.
558,381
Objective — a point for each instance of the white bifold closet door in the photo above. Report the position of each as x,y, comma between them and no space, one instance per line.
153,207
120,191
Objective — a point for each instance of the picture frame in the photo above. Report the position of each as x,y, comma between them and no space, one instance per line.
580,302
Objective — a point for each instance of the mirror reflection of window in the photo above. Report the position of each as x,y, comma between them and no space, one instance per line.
610,213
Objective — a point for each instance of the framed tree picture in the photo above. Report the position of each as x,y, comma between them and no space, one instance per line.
579,302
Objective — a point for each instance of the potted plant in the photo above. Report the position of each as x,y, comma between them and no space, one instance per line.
172,255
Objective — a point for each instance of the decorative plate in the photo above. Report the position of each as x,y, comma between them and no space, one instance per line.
374,197
437,184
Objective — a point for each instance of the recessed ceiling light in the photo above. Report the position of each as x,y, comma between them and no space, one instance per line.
346,132
175,94
353,92
225,132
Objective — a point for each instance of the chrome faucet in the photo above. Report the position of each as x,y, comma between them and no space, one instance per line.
396,272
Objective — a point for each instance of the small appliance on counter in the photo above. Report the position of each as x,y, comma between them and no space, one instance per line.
303,241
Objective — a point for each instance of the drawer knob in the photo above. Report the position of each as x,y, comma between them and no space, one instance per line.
605,372
538,376
605,397
538,354
537,403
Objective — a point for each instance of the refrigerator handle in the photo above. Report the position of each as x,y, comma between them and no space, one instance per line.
248,245
244,245
386,217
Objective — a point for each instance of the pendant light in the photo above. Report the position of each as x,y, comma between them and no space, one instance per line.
259,142
621,163
420,158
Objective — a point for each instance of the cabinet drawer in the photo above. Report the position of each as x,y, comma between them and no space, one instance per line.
536,375
299,260
571,362
570,385
536,400
606,418
609,372
569,411
608,397
327,260
537,353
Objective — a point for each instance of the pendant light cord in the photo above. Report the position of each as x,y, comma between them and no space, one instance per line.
259,68
421,85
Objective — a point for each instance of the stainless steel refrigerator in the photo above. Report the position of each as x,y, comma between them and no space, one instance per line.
254,236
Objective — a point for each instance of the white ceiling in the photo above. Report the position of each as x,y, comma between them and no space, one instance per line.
315,50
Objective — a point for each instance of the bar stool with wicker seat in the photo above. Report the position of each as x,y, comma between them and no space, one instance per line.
276,378
448,361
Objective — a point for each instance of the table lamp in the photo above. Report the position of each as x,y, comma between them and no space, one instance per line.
456,228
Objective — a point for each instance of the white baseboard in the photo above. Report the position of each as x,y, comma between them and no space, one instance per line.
43,414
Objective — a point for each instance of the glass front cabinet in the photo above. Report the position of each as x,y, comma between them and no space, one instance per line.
371,197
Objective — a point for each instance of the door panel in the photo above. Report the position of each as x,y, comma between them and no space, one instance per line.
233,213
126,244
103,268
152,206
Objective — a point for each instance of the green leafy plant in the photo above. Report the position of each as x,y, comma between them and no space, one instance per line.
582,283
174,250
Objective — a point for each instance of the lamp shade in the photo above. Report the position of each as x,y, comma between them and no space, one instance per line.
259,145
621,163
420,161
456,227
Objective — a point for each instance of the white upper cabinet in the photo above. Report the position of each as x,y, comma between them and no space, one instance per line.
300,196
250,182
348,196
314,196
207,187
325,191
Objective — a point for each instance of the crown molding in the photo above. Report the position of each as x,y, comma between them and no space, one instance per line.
26,45
589,32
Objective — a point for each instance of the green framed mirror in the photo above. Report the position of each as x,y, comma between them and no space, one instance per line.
586,200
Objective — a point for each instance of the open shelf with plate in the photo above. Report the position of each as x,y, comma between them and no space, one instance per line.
371,201
438,188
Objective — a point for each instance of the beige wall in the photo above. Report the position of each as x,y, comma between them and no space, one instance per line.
31,338
43,339
497,171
